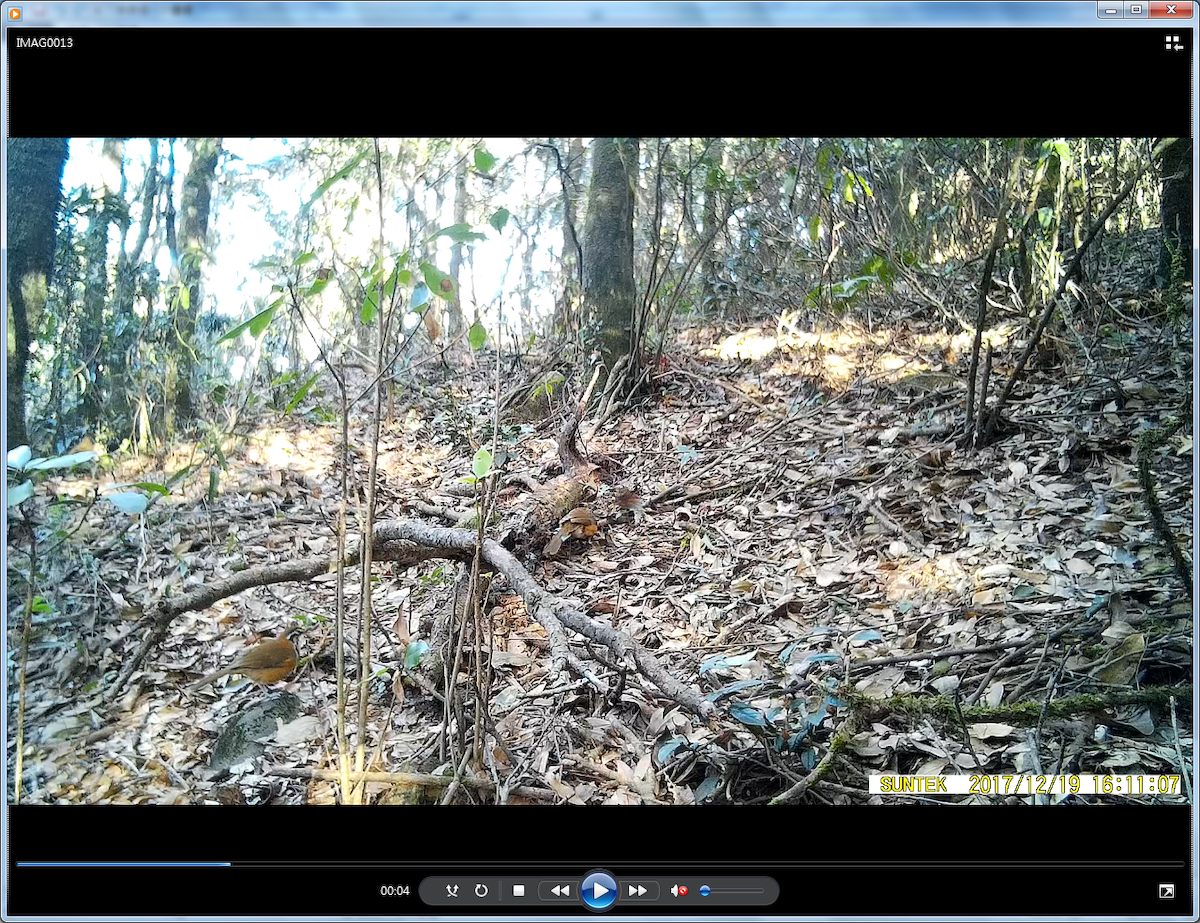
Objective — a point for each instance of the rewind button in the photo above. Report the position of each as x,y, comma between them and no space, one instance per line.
558,891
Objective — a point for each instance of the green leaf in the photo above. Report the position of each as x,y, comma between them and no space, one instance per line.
413,654
256,325
730,689
185,297
127,502
20,493
339,175
667,749
460,234
300,394
319,286
19,457
547,386
748,715
814,228
439,283
477,336
848,288
389,287
152,487
306,257
789,182
709,787
404,277
482,463
727,661
370,308
499,219
484,160
814,719
260,322
61,461
263,264
867,634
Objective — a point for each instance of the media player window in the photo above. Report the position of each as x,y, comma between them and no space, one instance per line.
817,447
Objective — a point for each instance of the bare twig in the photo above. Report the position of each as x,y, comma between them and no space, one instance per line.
407,778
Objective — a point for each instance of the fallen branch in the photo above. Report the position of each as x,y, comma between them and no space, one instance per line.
409,542
546,609
408,778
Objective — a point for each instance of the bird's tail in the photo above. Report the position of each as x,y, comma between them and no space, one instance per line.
200,684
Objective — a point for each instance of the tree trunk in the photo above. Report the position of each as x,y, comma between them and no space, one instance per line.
33,193
108,206
712,213
572,264
195,202
608,284
1176,211
125,322
454,305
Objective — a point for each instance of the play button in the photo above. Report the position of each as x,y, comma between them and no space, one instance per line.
599,890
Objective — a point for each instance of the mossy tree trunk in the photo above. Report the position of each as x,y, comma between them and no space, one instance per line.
1176,211
609,291
712,215
195,203
33,193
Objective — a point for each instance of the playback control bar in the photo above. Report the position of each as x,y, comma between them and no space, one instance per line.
598,890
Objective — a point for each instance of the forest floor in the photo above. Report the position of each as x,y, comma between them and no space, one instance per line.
828,540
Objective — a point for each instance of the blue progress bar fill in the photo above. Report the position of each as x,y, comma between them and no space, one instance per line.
107,865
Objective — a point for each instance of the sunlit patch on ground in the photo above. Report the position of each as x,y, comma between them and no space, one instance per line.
841,355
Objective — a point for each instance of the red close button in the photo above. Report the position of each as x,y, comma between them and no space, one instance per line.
1178,10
